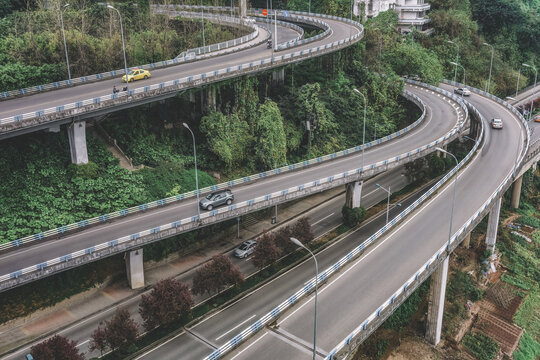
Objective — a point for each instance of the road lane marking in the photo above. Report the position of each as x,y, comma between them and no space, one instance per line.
324,218
236,327
250,345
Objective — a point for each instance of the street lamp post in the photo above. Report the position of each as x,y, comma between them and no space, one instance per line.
388,201
196,175
64,35
457,57
123,43
464,81
364,128
202,22
490,65
298,243
534,86
453,196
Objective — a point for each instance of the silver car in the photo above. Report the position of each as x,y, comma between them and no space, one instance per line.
462,91
217,198
245,249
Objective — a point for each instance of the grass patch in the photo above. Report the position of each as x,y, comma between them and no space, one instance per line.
528,315
481,346
528,348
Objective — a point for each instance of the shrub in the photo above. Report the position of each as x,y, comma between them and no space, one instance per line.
352,217
529,220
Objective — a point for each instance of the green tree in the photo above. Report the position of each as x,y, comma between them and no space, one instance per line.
228,138
270,144
410,57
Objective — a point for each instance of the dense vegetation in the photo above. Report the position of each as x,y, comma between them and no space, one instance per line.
32,48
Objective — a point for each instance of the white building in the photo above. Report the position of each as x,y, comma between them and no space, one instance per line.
411,13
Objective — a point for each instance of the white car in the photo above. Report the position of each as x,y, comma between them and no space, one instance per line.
496,123
462,91
245,249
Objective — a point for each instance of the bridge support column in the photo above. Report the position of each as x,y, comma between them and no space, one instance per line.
354,194
516,192
278,76
437,292
77,142
211,97
467,241
134,268
493,224
243,8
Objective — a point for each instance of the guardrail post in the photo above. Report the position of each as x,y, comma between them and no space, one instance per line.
493,224
134,268
437,292
77,142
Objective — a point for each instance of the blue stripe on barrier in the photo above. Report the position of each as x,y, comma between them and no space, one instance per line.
103,217
292,299
39,236
256,326
62,229
41,266
112,243
124,212
134,236
365,324
275,312
251,202
155,230
15,275
267,197
89,250
65,258
82,223
176,223
143,207
16,243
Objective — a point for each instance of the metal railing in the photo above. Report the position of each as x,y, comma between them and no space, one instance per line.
91,105
80,225
460,232
230,208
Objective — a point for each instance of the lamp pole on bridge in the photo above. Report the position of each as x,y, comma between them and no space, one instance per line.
196,175
461,66
298,243
364,128
388,201
123,43
534,87
490,65
64,36
453,196
457,57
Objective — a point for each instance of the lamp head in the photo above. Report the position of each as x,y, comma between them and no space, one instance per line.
296,242
454,63
186,126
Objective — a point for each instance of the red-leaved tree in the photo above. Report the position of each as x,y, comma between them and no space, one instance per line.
56,348
169,301
266,252
215,275
302,230
119,333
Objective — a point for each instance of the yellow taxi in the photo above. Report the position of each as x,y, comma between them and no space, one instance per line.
136,74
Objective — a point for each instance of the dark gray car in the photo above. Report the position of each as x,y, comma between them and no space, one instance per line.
217,198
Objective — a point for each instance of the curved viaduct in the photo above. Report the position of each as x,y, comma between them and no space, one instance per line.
353,303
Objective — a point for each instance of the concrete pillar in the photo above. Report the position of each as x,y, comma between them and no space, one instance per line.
134,268
211,98
243,8
516,192
354,194
77,142
278,76
467,241
493,224
437,292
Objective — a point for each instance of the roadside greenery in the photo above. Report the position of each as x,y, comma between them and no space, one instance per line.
480,345
32,48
